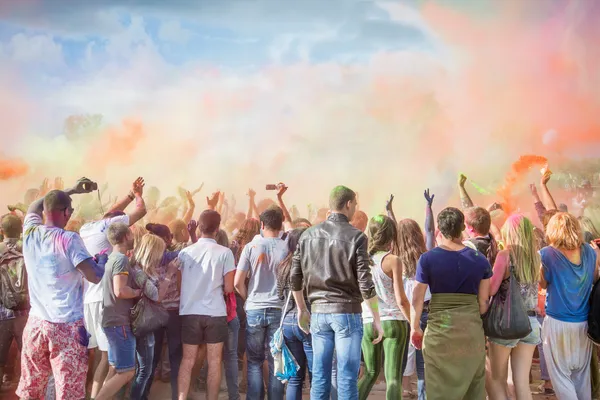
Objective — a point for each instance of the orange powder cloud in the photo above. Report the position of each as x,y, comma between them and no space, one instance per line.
14,168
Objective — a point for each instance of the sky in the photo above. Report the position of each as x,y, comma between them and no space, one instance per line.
384,97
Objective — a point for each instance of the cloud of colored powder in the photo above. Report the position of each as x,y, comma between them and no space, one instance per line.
488,92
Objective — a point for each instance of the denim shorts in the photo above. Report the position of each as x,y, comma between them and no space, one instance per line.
121,348
534,338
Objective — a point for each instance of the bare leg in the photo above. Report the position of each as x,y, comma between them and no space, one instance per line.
190,353
101,372
114,384
521,365
215,358
499,356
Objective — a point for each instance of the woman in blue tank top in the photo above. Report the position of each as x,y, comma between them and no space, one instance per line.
569,269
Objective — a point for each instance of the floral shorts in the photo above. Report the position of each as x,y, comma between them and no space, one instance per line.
53,349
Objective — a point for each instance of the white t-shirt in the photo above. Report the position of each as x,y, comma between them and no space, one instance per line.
51,256
95,240
203,266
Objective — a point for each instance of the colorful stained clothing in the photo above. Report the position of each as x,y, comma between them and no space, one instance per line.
58,349
454,348
384,286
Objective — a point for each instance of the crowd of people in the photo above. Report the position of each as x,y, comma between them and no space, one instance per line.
101,303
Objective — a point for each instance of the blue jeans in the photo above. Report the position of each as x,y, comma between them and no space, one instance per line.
173,331
121,348
342,332
262,325
300,345
144,347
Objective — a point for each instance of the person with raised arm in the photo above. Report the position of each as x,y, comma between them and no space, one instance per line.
547,198
252,209
260,260
94,236
55,340
465,199
287,219
332,259
459,280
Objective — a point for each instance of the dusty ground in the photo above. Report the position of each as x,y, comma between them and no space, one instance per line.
162,391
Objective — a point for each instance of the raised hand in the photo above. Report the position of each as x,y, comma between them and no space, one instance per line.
59,184
213,200
44,188
138,187
533,189
192,226
462,179
190,197
429,198
389,204
251,193
546,176
281,189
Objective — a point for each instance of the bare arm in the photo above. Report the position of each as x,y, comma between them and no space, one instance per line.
90,270
483,297
287,220
121,290
500,271
547,198
389,207
252,210
399,293
543,281
228,282
240,283
465,199
187,217
418,299
429,221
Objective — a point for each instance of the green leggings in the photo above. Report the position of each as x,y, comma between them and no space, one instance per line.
395,334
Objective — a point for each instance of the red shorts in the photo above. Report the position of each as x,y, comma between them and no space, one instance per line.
53,349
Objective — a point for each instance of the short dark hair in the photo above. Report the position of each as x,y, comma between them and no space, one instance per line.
160,230
451,222
272,217
339,196
117,232
56,200
209,221
479,218
12,227
301,221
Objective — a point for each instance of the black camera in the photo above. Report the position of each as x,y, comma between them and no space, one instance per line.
90,186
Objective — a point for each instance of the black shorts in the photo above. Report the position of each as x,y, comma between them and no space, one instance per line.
203,329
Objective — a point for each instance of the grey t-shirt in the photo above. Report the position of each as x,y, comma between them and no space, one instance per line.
261,258
116,311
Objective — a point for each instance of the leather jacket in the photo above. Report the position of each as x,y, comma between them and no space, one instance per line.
332,262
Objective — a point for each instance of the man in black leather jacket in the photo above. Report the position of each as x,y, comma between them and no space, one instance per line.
332,263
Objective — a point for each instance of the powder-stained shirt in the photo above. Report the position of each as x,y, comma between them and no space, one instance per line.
94,237
55,285
261,258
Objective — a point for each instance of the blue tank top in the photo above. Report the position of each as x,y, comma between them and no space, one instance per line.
569,285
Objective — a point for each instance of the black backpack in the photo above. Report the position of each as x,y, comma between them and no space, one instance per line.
13,281
594,314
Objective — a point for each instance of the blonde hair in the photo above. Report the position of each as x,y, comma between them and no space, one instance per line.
138,233
149,253
519,237
564,232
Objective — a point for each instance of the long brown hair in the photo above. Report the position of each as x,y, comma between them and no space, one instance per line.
383,235
249,229
283,271
411,244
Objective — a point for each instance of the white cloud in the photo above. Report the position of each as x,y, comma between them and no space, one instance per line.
172,31
35,49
